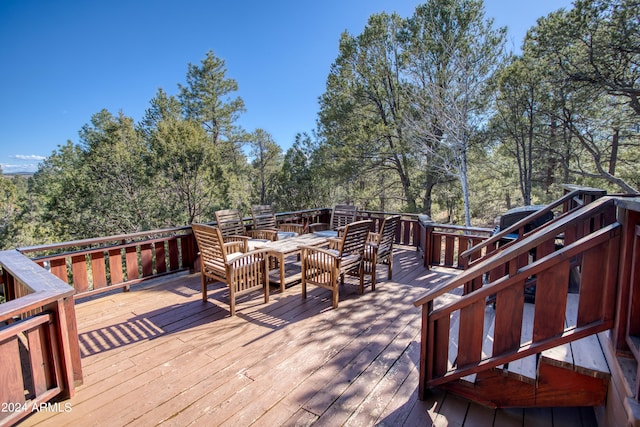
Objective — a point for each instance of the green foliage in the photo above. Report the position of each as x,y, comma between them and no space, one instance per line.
266,161
589,59
362,111
208,98
181,159
304,181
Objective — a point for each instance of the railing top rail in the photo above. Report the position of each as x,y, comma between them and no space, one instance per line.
524,246
107,239
524,221
629,202
386,213
598,237
45,286
585,190
186,229
461,227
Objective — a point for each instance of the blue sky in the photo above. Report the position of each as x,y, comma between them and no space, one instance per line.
63,61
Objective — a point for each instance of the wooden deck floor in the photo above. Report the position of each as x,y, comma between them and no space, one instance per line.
158,356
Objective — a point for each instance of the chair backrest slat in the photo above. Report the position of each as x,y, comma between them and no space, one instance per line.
263,217
212,250
355,237
230,223
388,234
342,215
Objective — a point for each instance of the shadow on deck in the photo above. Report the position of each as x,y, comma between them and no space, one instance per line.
158,355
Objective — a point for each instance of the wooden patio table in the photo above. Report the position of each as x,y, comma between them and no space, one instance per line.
282,249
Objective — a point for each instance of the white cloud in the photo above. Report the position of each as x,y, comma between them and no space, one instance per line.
30,157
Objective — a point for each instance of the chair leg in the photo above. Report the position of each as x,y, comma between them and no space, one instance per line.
204,288
265,283
373,277
337,278
303,283
232,300
374,263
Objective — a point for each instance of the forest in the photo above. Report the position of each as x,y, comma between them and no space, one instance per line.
429,114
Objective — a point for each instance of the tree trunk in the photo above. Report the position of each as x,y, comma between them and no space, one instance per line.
614,151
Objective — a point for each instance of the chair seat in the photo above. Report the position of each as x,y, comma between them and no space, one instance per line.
218,267
256,243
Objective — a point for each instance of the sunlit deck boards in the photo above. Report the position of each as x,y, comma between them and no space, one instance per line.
158,355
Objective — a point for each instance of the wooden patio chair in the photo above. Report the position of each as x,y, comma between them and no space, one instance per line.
264,218
340,217
228,263
379,250
326,267
230,223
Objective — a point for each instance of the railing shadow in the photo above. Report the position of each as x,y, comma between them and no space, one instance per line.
186,312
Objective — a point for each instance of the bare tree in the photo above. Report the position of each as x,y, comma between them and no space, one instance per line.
454,53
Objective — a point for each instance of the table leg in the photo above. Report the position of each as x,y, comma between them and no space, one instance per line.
282,285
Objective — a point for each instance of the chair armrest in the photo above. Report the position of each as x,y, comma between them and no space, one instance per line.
259,255
319,258
239,245
291,228
334,243
318,226
263,234
372,245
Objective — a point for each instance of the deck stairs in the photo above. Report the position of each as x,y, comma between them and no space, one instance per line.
572,374
483,340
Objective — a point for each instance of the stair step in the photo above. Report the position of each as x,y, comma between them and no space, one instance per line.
525,368
584,355
575,374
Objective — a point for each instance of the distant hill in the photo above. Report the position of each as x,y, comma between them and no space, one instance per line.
25,174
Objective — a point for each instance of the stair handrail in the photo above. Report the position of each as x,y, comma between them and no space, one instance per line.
575,195
519,247
605,233
570,333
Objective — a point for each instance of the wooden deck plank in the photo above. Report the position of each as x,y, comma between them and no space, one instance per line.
452,412
157,355
363,353
370,412
479,416
511,417
538,417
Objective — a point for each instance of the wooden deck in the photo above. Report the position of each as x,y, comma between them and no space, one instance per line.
158,355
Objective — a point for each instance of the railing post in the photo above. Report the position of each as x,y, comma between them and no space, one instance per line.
426,358
629,219
426,235
68,343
